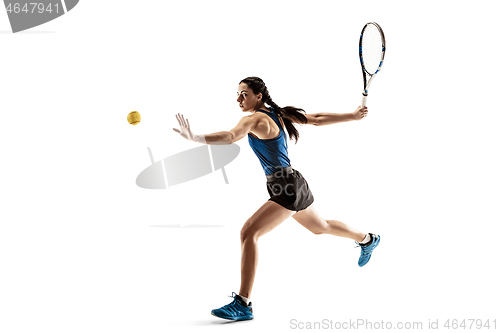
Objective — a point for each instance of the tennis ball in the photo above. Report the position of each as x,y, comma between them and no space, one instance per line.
134,118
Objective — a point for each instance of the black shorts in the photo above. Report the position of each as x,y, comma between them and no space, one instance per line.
289,189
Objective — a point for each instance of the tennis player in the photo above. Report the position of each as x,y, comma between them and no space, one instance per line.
289,192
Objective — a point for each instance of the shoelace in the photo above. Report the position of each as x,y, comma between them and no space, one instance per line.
364,250
232,306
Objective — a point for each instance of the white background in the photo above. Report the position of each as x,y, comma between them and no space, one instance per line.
83,249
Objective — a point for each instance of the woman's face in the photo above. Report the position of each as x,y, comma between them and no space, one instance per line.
247,100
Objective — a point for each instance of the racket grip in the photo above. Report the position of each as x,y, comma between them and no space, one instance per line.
363,101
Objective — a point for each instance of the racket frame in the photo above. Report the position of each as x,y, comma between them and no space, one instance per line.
366,84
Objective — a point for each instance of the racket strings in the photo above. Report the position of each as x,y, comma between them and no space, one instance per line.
371,48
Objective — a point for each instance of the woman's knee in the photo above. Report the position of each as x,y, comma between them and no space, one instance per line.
247,234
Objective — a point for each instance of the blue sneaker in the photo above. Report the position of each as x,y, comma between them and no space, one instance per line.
366,250
236,310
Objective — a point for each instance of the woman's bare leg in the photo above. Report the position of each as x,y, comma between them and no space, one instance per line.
265,219
311,220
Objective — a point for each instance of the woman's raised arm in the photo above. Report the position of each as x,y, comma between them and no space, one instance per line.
325,118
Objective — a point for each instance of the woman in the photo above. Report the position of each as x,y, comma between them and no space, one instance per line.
289,193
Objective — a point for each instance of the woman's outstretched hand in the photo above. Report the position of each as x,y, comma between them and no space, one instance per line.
360,112
185,130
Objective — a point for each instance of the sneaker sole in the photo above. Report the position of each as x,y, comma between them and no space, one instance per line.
234,318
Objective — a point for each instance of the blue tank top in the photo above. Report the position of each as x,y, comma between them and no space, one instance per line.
272,153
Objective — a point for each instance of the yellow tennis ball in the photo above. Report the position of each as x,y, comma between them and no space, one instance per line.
134,118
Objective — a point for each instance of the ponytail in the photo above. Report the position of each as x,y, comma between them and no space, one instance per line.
289,114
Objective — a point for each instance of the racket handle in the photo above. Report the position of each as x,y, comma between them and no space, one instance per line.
363,101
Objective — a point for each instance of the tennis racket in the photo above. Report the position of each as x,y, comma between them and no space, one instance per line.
371,54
